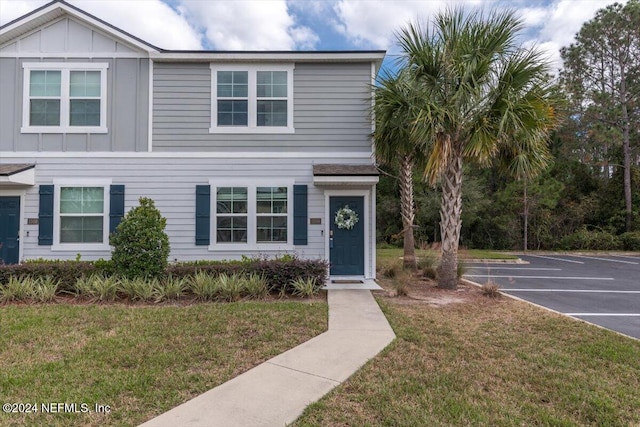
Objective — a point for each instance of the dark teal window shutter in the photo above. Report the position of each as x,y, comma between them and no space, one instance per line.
203,214
45,216
300,214
116,206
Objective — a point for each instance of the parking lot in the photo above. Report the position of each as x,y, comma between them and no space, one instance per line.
604,290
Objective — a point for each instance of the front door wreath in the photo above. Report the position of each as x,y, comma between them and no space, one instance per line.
346,218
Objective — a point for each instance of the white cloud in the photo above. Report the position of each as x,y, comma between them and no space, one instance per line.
248,25
375,22
560,22
151,20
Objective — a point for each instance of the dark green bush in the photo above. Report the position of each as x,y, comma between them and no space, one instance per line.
591,239
630,241
140,244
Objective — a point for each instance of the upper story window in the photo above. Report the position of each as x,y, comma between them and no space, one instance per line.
64,97
252,99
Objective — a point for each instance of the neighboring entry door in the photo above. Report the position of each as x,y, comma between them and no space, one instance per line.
346,246
9,229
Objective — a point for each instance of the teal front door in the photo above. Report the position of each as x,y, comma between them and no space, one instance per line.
346,245
9,230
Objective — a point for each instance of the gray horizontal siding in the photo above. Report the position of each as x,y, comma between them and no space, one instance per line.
127,110
331,104
171,184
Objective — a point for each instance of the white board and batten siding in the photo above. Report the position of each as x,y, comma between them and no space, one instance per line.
67,40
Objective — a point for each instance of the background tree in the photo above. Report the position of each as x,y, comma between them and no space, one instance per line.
602,77
481,96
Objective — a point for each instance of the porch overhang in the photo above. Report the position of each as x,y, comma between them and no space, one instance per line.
17,174
335,174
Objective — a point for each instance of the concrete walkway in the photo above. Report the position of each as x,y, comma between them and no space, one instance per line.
276,392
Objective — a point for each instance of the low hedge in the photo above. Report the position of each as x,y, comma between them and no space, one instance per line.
278,273
631,241
591,240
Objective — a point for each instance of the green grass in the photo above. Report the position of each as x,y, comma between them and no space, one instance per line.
490,362
139,360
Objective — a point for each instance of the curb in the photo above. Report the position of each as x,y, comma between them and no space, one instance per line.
513,297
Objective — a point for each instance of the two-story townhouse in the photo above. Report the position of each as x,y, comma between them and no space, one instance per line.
244,153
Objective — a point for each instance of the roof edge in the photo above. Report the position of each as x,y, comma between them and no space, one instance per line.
81,14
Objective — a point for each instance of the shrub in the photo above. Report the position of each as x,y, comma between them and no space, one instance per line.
16,289
171,289
427,261
96,280
203,286
229,288
430,273
97,288
256,286
66,273
305,287
44,289
589,240
140,244
491,290
138,288
630,241
389,271
401,285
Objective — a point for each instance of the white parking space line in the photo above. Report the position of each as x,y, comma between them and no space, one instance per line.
604,314
582,291
626,256
518,268
490,276
605,259
557,259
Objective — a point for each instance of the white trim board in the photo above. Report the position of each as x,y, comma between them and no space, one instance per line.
186,155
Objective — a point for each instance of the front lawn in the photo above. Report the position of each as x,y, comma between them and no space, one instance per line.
139,360
463,359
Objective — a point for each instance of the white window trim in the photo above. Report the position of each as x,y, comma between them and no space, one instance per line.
252,70
58,184
65,68
252,243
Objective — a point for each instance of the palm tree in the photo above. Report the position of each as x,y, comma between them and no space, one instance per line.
394,145
482,98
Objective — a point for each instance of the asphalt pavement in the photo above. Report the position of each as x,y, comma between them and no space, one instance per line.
604,290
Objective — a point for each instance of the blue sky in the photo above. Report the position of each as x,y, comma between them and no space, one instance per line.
311,24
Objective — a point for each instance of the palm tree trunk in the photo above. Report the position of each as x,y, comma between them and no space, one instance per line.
407,211
450,222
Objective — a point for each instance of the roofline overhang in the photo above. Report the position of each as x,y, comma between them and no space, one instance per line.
11,30
22,177
276,56
51,7
322,180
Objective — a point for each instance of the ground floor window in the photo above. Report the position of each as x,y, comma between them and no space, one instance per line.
252,215
81,214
